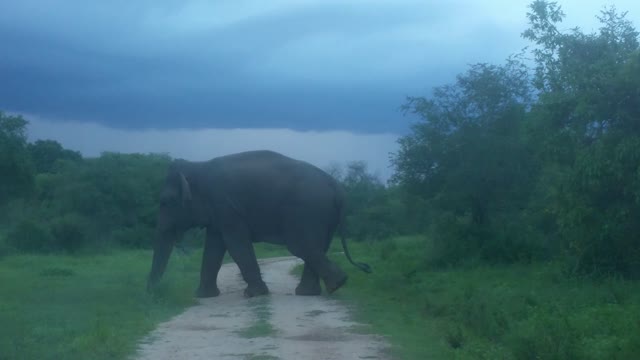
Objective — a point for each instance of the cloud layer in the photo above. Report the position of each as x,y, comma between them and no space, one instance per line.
304,65
320,148
320,80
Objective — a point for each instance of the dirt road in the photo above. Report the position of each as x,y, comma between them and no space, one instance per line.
278,326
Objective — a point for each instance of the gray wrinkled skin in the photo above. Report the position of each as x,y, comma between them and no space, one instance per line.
253,196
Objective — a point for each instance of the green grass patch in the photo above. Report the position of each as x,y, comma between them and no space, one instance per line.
261,327
86,307
261,357
520,311
193,241
297,270
266,250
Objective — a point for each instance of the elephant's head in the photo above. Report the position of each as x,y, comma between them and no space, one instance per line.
173,219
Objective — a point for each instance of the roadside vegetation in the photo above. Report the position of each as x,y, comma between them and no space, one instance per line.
527,185
92,306
85,307
516,311
508,230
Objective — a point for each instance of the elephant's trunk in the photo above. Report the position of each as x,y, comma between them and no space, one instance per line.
161,253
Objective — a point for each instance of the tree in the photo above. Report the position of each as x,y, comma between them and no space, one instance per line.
467,158
45,153
16,168
368,215
586,125
335,170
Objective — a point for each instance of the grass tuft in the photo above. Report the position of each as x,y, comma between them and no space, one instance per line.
261,327
66,307
520,311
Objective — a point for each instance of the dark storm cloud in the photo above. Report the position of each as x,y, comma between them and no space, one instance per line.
277,64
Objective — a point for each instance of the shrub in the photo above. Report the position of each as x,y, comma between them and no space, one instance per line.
450,241
506,239
137,237
31,236
511,239
5,249
547,336
69,232
371,224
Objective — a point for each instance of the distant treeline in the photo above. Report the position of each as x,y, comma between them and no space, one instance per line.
54,199
534,159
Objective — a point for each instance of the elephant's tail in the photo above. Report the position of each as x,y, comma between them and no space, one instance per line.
362,266
342,231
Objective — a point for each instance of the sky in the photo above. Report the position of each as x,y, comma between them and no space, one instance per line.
321,80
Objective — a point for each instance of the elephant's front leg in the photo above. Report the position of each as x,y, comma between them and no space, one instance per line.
214,250
237,238
309,283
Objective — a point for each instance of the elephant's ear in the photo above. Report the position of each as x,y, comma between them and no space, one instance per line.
186,190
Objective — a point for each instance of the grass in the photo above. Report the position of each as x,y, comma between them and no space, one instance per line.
261,327
63,307
94,306
261,357
489,312
264,250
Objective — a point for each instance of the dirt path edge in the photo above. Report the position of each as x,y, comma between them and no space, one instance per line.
278,326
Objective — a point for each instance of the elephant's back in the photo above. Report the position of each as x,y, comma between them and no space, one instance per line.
270,168
267,187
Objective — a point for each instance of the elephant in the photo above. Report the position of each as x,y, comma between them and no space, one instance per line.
249,197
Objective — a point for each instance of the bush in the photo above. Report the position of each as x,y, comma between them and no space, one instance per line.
31,236
506,239
597,211
547,336
450,241
4,247
137,237
511,239
69,232
371,224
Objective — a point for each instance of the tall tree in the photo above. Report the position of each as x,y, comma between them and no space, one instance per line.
588,131
16,168
466,156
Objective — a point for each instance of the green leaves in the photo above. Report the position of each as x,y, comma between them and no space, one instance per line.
45,154
84,203
467,156
370,212
588,131
506,177
16,168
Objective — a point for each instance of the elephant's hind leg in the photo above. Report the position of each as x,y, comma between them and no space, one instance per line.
336,277
309,283
317,264
308,230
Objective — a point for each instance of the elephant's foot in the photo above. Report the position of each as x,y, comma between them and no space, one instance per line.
256,290
207,293
335,280
309,289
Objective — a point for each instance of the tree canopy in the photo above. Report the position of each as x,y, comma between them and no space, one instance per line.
534,158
